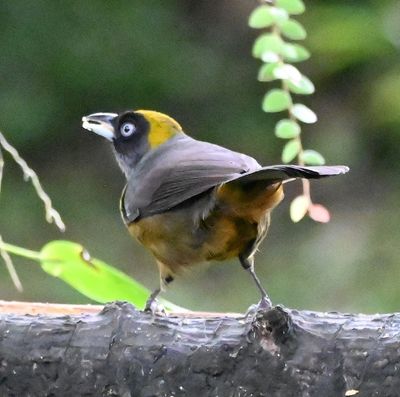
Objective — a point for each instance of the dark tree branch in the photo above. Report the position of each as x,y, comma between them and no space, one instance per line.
123,352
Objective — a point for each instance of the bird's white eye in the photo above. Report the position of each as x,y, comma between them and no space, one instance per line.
127,129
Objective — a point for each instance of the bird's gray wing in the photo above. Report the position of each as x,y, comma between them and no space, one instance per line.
177,171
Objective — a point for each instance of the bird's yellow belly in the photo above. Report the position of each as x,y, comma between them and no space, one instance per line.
177,241
237,223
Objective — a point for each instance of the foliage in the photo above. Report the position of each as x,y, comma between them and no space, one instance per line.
92,277
278,54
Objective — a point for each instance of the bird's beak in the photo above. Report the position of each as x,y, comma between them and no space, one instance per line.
100,124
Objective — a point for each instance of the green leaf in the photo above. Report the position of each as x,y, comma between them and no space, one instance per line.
264,16
293,7
287,129
291,150
267,43
312,157
266,72
293,30
261,17
92,277
270,56
302,86
299,207
297,83
287,72
294,52
279,15
276,100
303,113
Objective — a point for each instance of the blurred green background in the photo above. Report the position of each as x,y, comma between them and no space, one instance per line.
192,60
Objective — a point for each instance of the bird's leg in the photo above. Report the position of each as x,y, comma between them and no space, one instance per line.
151,304
152,300
248,264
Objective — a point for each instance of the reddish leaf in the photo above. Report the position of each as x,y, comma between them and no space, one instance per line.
319,213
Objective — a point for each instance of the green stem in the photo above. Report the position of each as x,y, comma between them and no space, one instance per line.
13,249
305,182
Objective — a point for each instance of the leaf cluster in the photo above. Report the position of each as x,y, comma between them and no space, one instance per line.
278,50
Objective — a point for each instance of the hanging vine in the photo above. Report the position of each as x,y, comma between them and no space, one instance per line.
276,47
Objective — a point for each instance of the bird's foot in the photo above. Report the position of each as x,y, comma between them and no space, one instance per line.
264,305
154,307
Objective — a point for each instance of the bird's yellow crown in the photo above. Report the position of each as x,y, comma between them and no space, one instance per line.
162,127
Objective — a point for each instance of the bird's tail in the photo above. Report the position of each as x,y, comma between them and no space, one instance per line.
282,173
254,193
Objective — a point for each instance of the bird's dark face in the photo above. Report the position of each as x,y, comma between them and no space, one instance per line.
128,132
133,133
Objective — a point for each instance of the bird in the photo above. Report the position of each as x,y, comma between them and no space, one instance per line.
189,201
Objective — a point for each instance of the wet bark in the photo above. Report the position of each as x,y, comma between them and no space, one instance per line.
124,352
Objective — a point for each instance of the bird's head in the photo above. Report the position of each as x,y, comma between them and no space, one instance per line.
132,133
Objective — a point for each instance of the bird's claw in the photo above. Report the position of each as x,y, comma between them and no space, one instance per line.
154,307
264,305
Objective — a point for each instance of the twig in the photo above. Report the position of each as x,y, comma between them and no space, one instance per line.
51,214
10,267
1,167
4,254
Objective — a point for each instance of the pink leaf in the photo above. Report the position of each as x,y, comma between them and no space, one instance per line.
319,213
